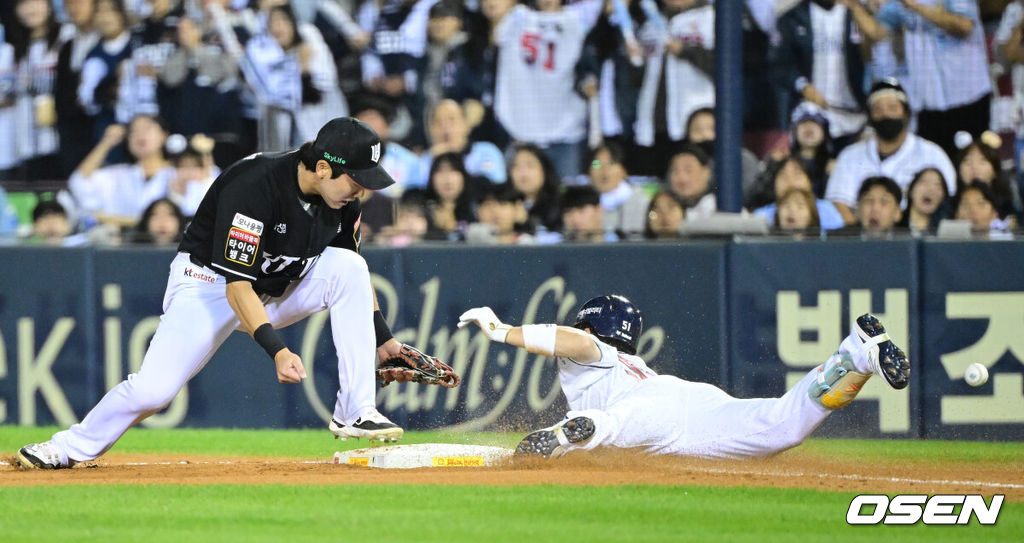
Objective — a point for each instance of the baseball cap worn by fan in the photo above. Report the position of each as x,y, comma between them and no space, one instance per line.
354,148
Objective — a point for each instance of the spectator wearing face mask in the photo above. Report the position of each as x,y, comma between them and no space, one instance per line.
893,152
947,62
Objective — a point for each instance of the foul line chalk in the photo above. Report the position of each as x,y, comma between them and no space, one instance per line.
863,477
719,471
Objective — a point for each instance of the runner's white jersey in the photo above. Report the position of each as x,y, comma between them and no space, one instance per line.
535,96
600,384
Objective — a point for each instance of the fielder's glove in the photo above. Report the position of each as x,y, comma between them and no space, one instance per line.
413,365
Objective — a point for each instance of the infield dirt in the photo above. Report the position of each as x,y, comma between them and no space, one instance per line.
794,469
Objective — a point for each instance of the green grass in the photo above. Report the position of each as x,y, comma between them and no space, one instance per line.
478,514
897,450
276,443
533,514
319,443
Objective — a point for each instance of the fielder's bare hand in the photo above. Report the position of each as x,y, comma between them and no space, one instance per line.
391,348
289,367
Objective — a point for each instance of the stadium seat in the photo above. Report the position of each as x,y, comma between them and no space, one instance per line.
23,203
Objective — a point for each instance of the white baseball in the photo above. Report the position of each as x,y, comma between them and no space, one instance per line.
976,375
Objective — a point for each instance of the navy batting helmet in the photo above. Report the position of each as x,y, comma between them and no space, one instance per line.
614,319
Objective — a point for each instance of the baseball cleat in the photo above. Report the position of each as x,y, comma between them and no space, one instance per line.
372,425
552,442
887,360
837,381
41,456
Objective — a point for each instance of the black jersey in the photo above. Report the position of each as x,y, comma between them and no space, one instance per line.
254,224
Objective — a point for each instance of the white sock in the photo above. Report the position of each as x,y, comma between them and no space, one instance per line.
855,347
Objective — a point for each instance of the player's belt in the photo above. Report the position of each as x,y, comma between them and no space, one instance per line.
195,260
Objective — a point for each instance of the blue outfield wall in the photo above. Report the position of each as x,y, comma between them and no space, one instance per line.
750,317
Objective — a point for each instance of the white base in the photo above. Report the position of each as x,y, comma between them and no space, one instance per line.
425,455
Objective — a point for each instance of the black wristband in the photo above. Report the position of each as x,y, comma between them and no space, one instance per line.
380,328
268,339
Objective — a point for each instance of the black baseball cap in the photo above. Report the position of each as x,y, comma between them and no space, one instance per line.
354,148
446,8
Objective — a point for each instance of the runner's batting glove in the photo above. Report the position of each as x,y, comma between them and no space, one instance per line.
412,365
488,322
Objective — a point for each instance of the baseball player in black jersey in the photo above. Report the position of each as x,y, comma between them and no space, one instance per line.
274,240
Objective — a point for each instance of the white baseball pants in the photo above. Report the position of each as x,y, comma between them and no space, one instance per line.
668,415
197,319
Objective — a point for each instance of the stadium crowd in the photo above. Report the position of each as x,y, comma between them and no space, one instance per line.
510,122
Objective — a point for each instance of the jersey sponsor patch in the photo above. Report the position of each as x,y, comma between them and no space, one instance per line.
198,274
248,224
242,246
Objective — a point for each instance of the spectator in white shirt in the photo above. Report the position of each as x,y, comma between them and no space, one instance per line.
118,194
1008,46
292,71
625,206
536,99
195,171
893,152
948,78
821,60
27,133
679,44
